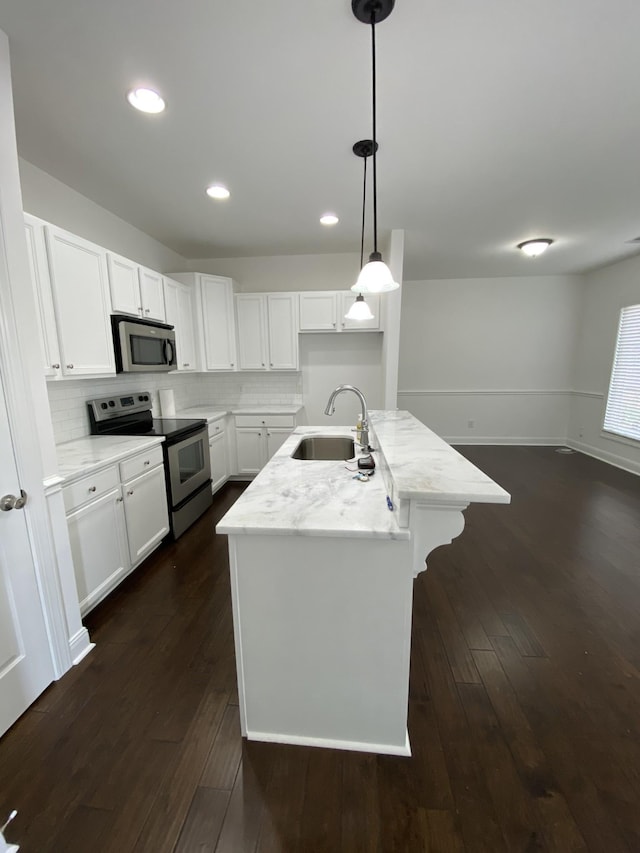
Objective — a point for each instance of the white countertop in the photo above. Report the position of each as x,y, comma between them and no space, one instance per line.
312,498
424,467
84,455
211,412
271,409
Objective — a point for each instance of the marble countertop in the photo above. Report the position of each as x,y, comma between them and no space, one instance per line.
210,413
311,498
424,467
82,456
271,409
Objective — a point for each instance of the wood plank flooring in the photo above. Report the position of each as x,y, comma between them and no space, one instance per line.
524,712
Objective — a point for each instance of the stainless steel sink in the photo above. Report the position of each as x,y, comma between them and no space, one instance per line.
325,447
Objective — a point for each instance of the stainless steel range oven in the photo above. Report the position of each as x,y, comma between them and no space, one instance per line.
185,449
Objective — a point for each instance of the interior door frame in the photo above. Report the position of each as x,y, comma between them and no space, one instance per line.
23,382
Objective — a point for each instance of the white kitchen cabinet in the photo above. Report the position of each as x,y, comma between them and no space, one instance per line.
267,331
151,294
318,311
258,437
134,289
178,300
323,311
215,320
41,283
218,455
145,509
78,271
98,537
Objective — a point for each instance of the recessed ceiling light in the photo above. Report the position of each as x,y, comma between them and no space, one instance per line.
146,100
329,219
218,191
536,247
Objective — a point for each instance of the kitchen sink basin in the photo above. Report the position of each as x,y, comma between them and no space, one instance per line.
325,447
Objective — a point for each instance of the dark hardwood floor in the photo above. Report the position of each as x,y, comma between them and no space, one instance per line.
524,711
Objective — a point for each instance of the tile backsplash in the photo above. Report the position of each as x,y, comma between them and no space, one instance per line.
68,399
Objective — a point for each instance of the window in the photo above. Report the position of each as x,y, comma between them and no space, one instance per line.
623,403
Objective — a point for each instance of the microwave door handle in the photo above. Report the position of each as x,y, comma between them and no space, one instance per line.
168,351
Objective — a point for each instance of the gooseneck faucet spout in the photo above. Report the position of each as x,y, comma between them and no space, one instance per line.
331,407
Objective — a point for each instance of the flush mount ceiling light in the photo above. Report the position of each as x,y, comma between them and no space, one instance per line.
217,191
329,219
375,276
536,247
145,100
360,310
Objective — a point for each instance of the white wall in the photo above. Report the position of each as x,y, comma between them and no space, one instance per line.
605,292
48,198
496,352
328,360
284,272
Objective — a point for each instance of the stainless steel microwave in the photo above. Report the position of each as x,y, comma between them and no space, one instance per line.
143,346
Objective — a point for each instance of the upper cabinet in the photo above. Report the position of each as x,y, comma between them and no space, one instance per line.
45,313
324,310
178,300
79,282
267,331
215,319
135,290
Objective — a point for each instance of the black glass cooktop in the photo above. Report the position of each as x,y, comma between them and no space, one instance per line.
170,428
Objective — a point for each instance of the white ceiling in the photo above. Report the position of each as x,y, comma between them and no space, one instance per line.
498,121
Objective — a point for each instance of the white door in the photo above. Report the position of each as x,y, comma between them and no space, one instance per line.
26,667
251,450
145,509
123,285
218,458
152,295
219,323
252,326
276,437
283,331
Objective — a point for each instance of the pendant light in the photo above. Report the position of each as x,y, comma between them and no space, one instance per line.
360,310
375,276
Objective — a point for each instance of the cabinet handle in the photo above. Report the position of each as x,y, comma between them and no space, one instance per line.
140,309
92,488
119,500
270,364
232,364
147,462
56,366
147,310
334,325
130,492
263,363
70,366
185,364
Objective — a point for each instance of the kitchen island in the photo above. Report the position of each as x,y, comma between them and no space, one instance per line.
322,568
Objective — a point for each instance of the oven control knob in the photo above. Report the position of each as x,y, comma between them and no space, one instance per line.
103,405
141,398
112,404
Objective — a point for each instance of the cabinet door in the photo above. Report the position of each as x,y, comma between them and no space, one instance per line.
347,298
45,314
82,304
283,331
124,285
318,311
219,461
276,437
178,303
152,295
145,509
218,322
250,449
252,331
98,540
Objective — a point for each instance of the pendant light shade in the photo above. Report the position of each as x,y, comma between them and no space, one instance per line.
359,310
375,276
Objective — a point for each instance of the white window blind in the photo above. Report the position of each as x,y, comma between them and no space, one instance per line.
623,403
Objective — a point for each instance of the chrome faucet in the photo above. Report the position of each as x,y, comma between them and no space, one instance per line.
331,407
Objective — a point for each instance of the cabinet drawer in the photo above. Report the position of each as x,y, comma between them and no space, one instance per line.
140,463
89,488
265,420
216,428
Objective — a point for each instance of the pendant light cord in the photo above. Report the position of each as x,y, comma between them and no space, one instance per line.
375,172
364,198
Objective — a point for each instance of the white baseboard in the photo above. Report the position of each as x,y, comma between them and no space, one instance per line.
524,441
329,743
80,645
605,456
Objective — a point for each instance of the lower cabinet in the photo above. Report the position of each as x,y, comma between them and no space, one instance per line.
145,511
115,518
257,439
218,455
